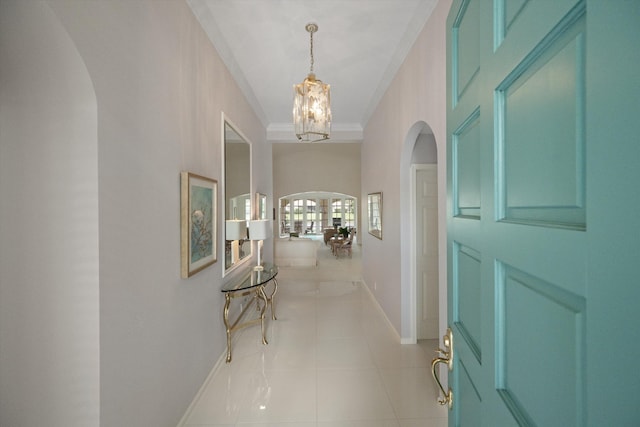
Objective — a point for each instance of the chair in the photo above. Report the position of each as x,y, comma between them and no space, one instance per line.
344,247
284,228
328,234
309,229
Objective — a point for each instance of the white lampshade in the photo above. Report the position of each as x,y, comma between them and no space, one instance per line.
235,229
260,229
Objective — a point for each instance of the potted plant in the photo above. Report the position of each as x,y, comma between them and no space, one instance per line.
344,231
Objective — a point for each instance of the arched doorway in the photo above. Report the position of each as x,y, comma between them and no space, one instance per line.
423,268
312,212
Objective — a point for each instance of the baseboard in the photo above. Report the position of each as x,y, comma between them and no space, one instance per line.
221,360
384,315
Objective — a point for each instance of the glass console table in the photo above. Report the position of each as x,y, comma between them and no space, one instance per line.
252,283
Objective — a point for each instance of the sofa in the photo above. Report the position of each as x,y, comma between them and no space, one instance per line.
296,252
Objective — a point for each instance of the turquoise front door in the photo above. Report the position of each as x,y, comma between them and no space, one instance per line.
543,106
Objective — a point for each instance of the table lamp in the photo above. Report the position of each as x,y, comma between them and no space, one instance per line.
259,229
235,230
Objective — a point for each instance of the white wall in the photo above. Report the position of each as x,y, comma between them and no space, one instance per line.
425,150
416,97
160,88
49,307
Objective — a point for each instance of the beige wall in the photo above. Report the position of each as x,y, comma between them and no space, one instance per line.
106,103
414,100
301,167
49,211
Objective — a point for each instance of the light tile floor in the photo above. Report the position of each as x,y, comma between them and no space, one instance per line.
332,361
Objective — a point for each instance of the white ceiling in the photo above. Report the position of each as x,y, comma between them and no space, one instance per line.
359,46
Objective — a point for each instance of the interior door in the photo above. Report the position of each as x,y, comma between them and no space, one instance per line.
543,179
426,214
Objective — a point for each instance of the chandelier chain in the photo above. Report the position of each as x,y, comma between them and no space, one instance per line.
311,102
311,49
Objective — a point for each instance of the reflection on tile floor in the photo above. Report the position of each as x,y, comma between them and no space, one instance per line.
332,361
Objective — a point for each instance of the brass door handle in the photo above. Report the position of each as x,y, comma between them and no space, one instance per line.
444,356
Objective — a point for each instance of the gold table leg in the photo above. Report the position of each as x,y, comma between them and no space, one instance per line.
263,296
270,298
227,302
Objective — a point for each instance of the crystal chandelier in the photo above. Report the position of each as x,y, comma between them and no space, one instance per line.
312,104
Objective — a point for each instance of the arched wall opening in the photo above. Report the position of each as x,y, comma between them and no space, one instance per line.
422,154
49,224
314,211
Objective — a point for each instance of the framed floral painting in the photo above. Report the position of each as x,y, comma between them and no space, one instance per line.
198,222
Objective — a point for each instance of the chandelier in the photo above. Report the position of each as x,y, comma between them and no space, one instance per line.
312,104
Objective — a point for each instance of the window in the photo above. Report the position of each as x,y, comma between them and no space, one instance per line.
298,215
349,213
311,216
285,216
336,212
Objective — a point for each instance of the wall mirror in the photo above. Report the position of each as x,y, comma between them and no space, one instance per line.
374,214
261,206
237,186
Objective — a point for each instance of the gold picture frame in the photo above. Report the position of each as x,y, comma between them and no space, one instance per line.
198,223
374,214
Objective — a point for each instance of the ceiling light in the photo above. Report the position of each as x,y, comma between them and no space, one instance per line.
312,104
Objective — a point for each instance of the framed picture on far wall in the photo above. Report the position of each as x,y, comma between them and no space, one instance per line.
374,214
198,222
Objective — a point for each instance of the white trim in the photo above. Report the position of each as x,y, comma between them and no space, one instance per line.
382,312
413,316
223,197
220,362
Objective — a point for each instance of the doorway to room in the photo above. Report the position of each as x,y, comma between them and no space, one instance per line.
425,208
424,225
313,212
423,276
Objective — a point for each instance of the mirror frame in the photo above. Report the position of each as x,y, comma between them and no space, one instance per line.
227,122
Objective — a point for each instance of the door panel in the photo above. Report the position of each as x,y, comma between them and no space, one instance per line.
467,315
541,209
540,132
466,48
466,167
529,344
467,396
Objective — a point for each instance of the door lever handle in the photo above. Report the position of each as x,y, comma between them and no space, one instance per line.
444,356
